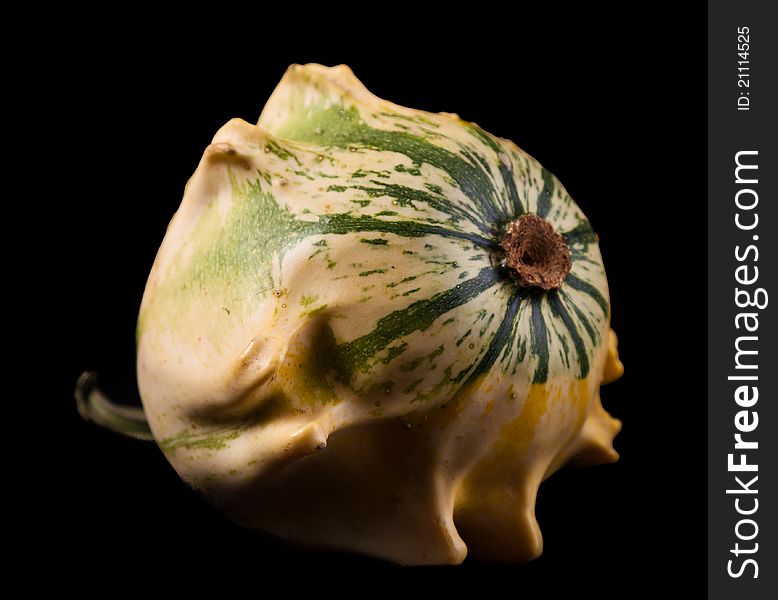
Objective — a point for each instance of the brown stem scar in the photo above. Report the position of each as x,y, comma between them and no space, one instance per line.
536,253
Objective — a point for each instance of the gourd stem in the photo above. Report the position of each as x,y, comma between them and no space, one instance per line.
536,254
96,407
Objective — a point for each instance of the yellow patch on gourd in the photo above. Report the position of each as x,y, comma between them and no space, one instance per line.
578,398
495,505
306,369
503,462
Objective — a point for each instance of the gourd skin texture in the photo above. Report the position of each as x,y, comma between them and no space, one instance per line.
330,350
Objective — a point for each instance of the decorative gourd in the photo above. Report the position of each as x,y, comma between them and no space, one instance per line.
376,329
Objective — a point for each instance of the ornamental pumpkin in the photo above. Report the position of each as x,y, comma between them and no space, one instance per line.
376,329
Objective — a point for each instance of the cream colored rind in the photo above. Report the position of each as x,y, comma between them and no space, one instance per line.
230,367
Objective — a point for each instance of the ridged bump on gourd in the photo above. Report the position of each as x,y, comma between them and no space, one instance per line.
332,346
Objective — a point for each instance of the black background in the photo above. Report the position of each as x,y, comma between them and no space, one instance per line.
611,103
